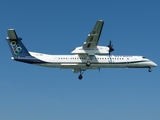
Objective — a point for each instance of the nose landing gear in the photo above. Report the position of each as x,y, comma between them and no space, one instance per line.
150,69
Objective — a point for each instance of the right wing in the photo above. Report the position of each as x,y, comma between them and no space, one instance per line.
93,37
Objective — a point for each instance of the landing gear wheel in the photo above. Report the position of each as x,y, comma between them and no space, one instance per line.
88,63
80,77
150,70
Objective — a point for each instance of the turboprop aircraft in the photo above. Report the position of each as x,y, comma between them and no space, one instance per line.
89,56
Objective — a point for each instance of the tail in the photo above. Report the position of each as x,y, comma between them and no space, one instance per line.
15,44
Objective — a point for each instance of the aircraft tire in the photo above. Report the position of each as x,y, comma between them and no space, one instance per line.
88,63
80,77
150,70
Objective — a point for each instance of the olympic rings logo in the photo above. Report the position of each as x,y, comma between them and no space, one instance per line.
15,47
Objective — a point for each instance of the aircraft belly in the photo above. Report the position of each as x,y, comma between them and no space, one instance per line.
51,65
111,65
82,65
138,65
93,65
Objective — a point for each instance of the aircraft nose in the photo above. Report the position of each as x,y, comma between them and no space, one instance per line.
154,64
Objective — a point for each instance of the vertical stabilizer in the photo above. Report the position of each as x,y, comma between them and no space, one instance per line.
16,45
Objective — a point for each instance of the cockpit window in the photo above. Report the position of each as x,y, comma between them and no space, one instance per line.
143,57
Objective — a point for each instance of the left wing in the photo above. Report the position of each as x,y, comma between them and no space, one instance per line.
93,37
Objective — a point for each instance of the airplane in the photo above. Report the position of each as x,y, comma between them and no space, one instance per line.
86,57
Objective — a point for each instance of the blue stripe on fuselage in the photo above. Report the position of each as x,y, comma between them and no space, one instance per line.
29,59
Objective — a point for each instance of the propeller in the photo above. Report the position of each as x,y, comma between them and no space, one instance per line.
110,47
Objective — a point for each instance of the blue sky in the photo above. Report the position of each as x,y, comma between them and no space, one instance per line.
30,92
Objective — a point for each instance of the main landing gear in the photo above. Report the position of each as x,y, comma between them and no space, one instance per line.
80,76
150,69
88,63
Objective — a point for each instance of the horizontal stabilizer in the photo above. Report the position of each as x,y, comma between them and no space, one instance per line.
12,34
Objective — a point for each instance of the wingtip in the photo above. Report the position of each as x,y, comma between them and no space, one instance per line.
10,29
101,20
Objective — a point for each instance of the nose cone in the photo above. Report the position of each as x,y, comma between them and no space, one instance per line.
154,64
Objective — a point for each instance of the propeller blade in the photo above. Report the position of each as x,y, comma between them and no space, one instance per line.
110,47
110,44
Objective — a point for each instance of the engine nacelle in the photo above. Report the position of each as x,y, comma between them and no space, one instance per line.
96,51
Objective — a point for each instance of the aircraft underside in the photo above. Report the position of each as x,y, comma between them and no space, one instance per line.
92,66
81,67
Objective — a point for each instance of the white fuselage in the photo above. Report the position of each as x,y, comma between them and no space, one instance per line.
97,61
